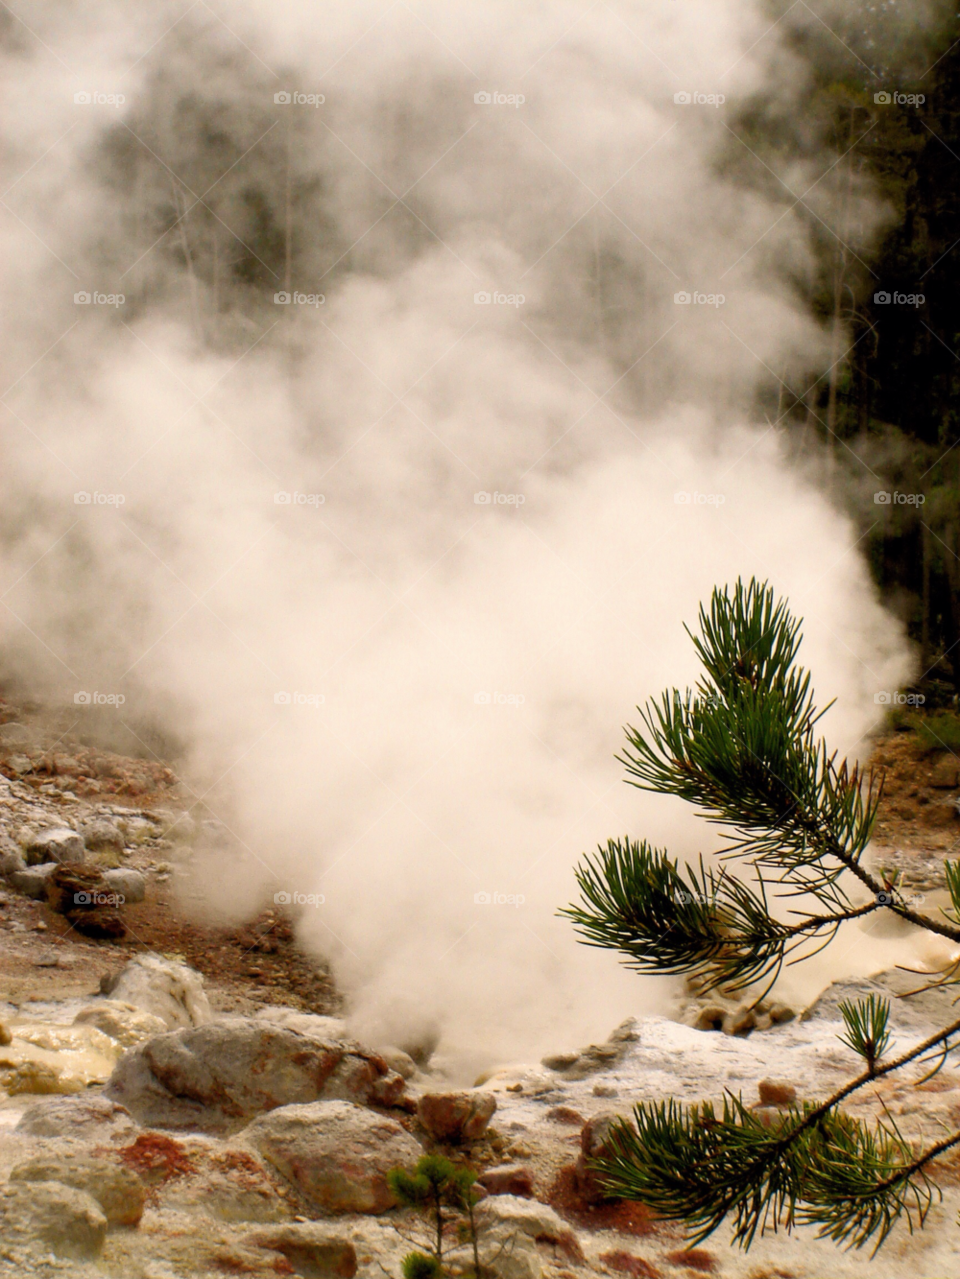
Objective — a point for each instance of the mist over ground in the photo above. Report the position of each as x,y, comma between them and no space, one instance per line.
396,558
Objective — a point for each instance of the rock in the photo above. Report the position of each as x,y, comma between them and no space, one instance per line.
102,836
67,1221
119,1192
508,1179
504,1254
123,1022
88,1117
80,894
337,1154
455,1117
921,1014
595,1143
780,1014
740,1022
55,844
774,1092
127,883
946,773
179,827
399,1062
32,882
227,1183
17,734
20,764
214,1077
167,989
596,1056
525,1216
5,1036
306,1023
710,1017
312,1248
11,859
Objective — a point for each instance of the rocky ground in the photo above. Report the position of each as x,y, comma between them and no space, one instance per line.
181,1101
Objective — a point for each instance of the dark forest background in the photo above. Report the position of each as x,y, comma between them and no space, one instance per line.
886,417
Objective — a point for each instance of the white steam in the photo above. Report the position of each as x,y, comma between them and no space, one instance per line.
400,598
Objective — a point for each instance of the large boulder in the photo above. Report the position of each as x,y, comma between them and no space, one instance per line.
167,989
215,1077
88,1117
455,1117
102,836
55,844
125,882
54,1217
80,894
118,1190
337,1154
121,1021
197,1174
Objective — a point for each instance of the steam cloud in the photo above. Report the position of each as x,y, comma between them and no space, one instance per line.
399,598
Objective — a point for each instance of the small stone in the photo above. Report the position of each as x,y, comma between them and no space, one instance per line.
741,1022
780,1014
455,1117
774,1092
710,1018
561,1061
596,1142
5,1036
399,1061
565,1115
604,1090
102,836
508,1179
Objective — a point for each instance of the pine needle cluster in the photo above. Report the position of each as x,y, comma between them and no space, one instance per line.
743,748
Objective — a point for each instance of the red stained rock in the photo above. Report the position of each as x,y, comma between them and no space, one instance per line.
455,1117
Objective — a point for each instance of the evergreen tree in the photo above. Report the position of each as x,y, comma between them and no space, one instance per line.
743,748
